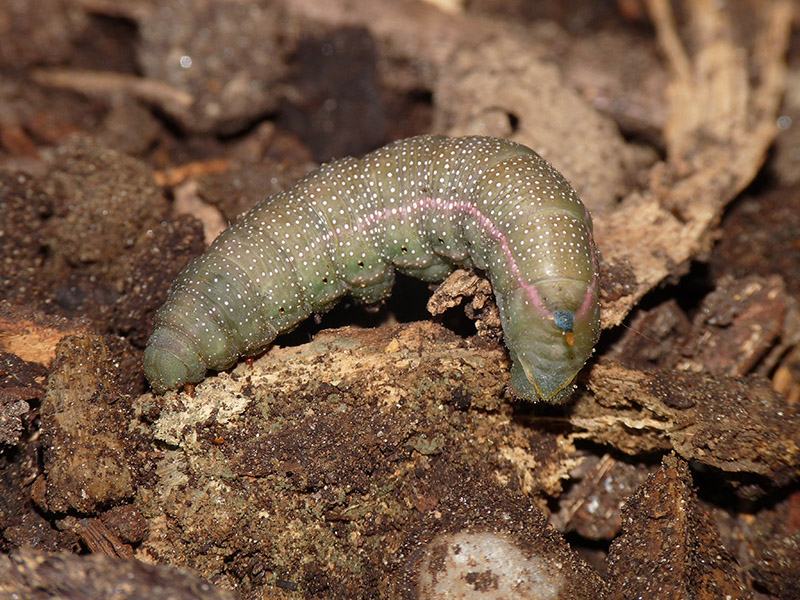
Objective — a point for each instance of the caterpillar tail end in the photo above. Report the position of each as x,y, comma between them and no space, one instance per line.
169,362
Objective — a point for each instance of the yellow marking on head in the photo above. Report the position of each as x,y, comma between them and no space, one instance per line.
532,381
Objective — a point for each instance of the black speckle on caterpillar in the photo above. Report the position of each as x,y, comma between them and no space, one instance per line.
423,206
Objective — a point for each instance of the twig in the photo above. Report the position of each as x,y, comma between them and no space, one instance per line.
93,83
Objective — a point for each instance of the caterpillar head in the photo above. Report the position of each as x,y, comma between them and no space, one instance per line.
550,330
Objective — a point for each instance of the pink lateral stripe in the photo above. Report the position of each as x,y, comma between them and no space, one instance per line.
452,206
589,299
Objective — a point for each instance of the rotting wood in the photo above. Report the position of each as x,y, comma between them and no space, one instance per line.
719,129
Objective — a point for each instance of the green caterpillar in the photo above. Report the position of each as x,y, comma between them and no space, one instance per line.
422,206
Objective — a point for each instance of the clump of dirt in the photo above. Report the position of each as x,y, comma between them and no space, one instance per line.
98,218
